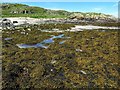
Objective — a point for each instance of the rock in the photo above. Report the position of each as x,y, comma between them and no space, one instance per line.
79,50
83,72
53,61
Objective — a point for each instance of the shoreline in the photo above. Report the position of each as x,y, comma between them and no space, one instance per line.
19,21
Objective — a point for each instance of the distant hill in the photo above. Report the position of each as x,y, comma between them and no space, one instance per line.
21,10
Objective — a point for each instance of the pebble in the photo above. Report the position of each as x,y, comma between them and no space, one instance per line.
22,32
83,72
51,70
79,50
53,62
29,29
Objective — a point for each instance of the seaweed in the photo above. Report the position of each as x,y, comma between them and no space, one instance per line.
89,59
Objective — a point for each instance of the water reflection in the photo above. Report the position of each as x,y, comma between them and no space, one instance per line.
31,46
7,39
62,42
59,36
48,41
42,44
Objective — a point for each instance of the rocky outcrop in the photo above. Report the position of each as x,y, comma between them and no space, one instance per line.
92,16
6,24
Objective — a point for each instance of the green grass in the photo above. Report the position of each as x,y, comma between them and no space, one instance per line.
34,12
34,16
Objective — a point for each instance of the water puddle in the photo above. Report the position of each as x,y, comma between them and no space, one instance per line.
62,42
59,36
47,41
31,46
8,39
42,44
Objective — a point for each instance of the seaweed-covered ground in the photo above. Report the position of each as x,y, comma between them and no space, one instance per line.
0,60
88,59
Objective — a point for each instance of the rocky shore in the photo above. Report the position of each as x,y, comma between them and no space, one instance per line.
16,21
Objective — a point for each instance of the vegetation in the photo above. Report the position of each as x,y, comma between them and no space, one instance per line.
1,60
55,26
21,10
87,59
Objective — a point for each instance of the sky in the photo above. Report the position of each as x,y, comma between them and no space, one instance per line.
59,0
100,7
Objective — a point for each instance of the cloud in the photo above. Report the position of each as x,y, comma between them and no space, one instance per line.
97,9
115,5
52,8
55,8
115,14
